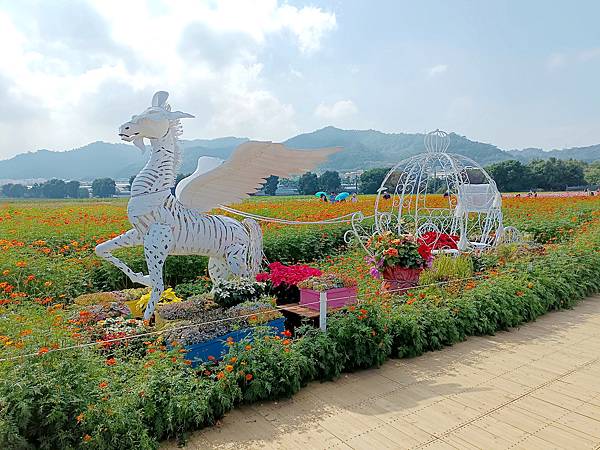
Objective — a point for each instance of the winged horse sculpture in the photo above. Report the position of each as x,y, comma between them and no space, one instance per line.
167,224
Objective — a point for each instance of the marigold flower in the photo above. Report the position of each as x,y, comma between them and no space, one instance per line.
248,347
220,376
111,361
5,272
103,385
21,264
80,418
25,332
286,342
228,367
87,438
43,350
187,362
233,360
286,333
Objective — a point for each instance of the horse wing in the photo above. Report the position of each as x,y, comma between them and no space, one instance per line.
244,172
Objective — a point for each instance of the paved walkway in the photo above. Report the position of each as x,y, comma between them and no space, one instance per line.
537,387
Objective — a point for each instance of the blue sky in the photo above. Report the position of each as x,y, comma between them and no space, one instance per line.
513,73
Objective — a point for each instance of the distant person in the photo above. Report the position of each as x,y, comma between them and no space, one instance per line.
386,195
324,198
354,198
535,195
518,196
446,194
332,197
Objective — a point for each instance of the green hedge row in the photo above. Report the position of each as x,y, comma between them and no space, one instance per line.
296,244
63,402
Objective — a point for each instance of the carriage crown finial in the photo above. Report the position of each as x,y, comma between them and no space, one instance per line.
437,141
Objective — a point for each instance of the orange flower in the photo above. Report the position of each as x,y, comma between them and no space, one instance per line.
248,377
103,385
43,350
187,362
220,376
233,360
229,368
21,264
391,252
248,347
87,438
286,342
286,333
5,272
25,333
80,418
111,362
48,283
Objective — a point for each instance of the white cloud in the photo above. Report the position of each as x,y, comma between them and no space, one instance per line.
87,66
339,110
556,60
437,70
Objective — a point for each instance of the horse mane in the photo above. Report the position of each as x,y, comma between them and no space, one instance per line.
176,130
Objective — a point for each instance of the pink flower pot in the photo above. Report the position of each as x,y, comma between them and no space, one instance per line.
336,298
399,279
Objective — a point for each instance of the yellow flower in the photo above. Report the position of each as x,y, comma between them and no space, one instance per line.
168,296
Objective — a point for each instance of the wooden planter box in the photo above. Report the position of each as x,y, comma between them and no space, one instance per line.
336,298
217,347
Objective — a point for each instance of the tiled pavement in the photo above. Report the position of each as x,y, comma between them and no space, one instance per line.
537,387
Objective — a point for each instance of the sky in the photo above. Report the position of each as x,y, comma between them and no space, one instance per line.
514,73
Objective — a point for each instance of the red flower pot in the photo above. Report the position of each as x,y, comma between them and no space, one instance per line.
399,279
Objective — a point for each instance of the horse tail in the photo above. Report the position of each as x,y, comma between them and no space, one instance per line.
255,250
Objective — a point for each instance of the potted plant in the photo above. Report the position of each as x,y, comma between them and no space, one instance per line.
341,290
283,280
399,260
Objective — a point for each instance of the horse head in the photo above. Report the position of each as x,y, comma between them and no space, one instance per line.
153,123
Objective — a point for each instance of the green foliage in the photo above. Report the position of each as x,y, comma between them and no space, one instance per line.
178,269
370,180
103,187
446,267
308,184
511,176
14,190
592,173
196,287
304,244
361,335
232,292
330,181
326,361
270,186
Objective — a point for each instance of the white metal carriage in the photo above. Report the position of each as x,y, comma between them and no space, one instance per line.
440,192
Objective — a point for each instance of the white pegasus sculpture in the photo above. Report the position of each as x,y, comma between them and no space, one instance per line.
167,224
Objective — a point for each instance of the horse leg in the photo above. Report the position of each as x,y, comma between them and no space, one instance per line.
236,259
129,239
158,243
218,269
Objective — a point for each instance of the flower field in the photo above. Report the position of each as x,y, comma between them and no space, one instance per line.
60,388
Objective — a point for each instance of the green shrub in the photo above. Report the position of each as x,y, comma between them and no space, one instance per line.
361,334
326,362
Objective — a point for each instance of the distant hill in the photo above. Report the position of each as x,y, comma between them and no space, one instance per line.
587,154
363,149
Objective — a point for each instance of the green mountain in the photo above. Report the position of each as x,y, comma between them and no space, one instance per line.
587,154
363,149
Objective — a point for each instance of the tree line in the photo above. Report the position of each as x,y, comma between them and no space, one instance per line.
513,176
55,188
